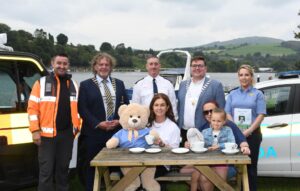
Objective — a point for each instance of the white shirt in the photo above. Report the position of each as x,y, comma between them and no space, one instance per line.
215,135
143,91
168,132
191,100
111,89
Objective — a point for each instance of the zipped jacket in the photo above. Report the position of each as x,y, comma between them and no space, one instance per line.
43,105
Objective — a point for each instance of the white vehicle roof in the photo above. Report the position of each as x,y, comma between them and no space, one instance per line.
278,82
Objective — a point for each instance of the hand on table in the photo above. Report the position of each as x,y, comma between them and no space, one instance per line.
213,148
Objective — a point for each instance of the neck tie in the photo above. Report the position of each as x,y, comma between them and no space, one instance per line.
109,101
154,87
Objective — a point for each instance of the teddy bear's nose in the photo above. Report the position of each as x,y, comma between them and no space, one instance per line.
134,120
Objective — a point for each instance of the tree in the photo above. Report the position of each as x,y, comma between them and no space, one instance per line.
297,66
151,52
25,35
297,35
257,54
51,38
120,49
198,53
106,47
62,39
129,51
4,28
20,40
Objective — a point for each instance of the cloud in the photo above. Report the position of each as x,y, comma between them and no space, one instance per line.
156,24
275,3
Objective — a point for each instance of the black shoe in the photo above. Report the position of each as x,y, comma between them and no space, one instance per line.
140,189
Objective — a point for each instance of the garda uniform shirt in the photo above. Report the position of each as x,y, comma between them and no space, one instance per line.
143,91
250,98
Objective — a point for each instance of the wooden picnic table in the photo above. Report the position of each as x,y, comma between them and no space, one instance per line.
140,161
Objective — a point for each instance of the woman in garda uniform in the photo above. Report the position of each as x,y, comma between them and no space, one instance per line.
248,102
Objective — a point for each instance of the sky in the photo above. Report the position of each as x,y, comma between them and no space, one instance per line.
155,24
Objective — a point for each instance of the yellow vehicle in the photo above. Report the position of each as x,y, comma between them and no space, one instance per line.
18,155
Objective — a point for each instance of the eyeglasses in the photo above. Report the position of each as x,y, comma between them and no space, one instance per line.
206,112
198,66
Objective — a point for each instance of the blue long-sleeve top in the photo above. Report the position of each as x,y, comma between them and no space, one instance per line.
238,135
225,136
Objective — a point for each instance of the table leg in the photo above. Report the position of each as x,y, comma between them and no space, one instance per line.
106,176
97,180
239,176
245,178
214,178
128,178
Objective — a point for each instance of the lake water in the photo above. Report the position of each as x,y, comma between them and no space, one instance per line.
228,80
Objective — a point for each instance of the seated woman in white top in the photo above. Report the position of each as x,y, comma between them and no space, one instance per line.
162,120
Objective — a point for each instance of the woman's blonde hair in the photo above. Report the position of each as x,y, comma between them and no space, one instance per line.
99,56
249,69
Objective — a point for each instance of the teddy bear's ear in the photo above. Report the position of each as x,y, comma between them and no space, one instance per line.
121,109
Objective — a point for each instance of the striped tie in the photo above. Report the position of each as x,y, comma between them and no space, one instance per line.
109,101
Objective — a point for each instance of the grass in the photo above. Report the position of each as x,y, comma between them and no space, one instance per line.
264,184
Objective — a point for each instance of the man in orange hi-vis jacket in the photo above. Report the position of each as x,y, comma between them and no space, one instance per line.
53,118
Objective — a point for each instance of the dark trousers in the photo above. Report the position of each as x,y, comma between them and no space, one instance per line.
254,141
54,155
93,146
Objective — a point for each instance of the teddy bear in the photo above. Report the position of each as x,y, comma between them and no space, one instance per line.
133,119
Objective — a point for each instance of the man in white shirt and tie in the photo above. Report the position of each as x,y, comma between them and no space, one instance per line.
145,88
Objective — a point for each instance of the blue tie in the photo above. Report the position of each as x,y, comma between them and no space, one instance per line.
154,87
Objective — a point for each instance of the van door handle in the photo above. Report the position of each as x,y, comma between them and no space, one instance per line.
277,125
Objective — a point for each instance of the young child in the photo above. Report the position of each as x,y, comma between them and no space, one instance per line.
216,136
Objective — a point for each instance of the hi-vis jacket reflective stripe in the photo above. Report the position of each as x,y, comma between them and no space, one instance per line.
43,104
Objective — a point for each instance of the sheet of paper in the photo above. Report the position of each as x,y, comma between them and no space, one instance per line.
242,118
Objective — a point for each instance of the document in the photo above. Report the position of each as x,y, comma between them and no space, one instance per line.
242,118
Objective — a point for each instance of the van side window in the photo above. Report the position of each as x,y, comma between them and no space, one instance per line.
17,78
8,92
277,100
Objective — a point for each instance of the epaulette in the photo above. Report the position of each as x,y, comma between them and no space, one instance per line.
233,89
262,91
167,79
139,80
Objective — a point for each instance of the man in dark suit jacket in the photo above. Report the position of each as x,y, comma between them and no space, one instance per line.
99,100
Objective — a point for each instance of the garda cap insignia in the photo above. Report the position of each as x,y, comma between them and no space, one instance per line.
48,87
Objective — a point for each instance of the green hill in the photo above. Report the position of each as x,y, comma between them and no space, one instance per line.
254,40
271,49
249,46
